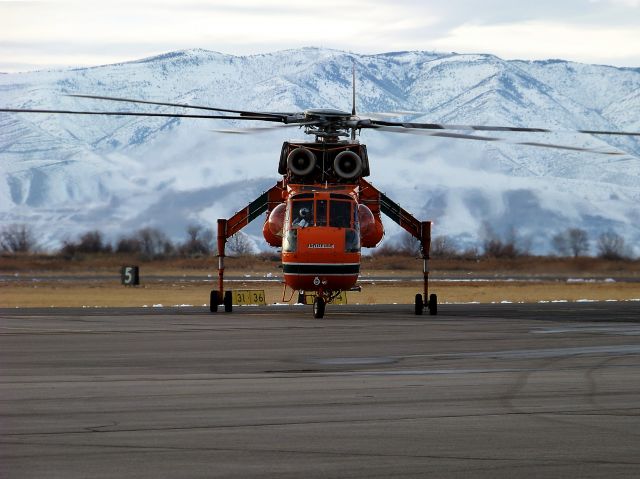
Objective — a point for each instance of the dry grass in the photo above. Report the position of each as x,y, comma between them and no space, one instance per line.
22,291
395,264
76,294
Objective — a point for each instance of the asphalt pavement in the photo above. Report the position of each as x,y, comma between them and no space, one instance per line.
545,390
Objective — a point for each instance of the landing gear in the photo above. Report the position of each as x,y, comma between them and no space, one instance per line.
419,304
228,302
318,307
214,301
432,304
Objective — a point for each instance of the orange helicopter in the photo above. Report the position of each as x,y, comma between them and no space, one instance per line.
321,214
323,211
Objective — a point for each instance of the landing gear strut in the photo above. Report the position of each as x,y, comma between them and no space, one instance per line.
425,246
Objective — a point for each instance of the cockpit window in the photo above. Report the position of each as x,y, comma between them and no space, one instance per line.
321,213
340,214
302,213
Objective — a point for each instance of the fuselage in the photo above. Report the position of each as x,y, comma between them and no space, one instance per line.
321,238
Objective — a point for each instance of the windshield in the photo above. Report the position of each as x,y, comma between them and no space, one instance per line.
302,213
309,213
340,214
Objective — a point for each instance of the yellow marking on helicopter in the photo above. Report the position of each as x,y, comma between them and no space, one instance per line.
340,299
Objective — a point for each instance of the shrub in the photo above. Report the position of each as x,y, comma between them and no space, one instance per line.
611,246
17,239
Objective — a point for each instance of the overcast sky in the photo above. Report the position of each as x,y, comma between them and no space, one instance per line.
51,33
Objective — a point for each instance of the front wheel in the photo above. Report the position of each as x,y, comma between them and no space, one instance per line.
318,307
433,304
228,302
419,305
213,301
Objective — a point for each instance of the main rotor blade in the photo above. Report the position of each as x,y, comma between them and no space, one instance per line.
140,113
442,126
181,105
260,129
463,136
388,114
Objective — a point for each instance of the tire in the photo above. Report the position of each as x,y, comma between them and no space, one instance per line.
228,302
213,301
318,307
433,304
419,304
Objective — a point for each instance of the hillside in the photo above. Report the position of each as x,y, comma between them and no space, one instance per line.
64,175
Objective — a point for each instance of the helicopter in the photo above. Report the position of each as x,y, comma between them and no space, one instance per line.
323,211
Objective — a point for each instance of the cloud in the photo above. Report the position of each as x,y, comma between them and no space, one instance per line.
625,3
56,32
536,40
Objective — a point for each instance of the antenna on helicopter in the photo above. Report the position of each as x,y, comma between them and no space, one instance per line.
353,92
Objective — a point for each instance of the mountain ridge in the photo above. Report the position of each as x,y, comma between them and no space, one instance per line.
54,166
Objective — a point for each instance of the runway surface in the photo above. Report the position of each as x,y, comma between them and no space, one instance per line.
546,390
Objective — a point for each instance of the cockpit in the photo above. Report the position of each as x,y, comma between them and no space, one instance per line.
332,210
339,211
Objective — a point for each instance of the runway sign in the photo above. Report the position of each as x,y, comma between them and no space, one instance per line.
249,296
130,275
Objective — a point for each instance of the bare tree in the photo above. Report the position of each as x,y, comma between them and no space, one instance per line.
240,245
469,253
574,241
496,247
93,242
443,247
578,241
560,244
386,249
611,246
409,245
17,239
154,243
200,241
128,245
90,242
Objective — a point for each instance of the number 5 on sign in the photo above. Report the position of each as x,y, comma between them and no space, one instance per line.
249,296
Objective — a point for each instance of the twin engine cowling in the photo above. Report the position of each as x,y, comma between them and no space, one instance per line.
301,161
347,165
322,162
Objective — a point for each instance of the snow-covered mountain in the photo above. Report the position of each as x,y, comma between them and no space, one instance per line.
67,174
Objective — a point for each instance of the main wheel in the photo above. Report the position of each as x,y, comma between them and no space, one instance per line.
419,304
318,307
433,304
213,301
228,302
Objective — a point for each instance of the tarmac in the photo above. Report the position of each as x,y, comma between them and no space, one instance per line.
504,390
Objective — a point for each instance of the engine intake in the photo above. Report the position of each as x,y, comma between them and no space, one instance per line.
347,165
301,161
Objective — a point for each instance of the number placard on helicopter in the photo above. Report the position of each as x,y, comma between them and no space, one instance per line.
340,299
249,296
